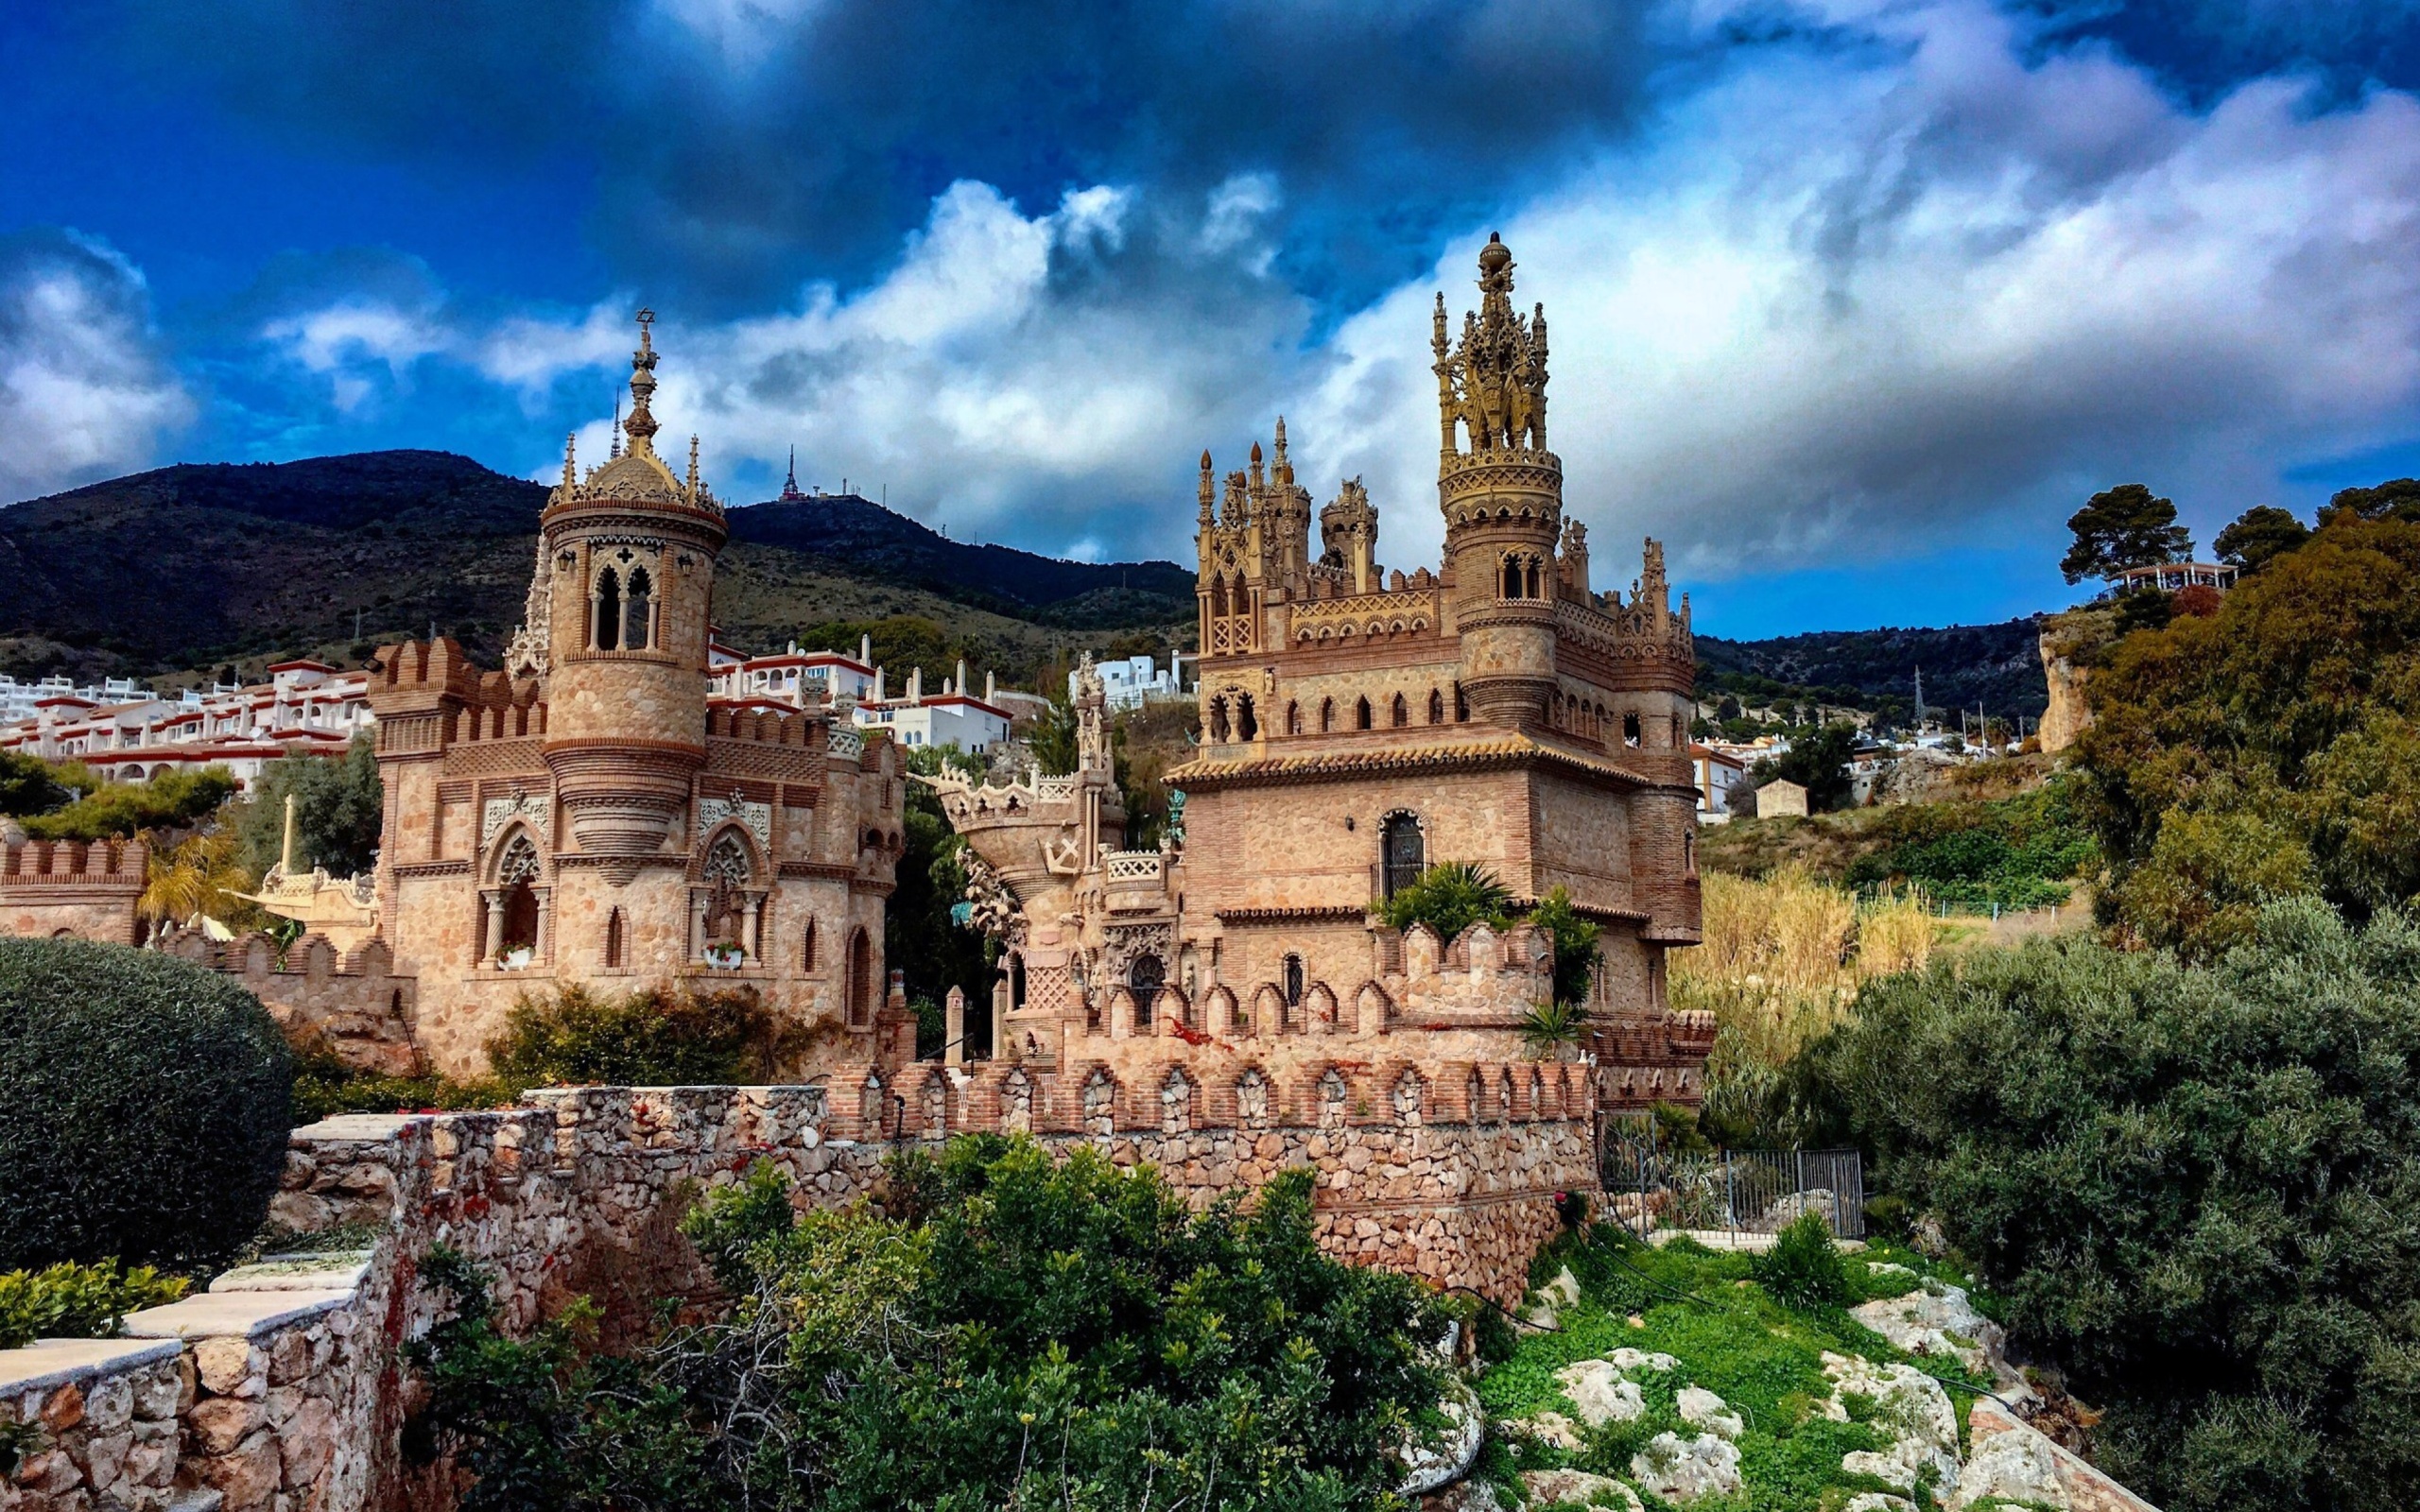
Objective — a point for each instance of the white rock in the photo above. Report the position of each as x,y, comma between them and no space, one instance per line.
1877,1501
1923,1322
1553,1488
1600,1394
1701,1408
2015,1465
1627,1358
1425,1470
1912,1411
1887,1268
1548,1427
1680,1470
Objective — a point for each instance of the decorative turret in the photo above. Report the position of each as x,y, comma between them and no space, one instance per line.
1349,537
1254,547
1501,491
627,569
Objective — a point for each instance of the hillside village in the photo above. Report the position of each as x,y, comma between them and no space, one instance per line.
587,1003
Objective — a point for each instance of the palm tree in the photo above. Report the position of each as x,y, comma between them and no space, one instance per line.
200,874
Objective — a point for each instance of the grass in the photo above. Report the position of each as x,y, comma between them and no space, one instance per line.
1731,1337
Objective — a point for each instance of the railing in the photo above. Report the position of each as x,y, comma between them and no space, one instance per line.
1134,866
1054,789
1649,1186
847,743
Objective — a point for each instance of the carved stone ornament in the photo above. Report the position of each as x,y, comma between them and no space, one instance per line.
758,818
1120,944
499,812
992,908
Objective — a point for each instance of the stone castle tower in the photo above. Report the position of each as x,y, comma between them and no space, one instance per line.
591,817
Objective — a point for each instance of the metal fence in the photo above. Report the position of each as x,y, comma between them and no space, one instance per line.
1649,1186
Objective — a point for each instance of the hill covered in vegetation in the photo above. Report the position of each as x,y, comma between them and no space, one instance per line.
199,565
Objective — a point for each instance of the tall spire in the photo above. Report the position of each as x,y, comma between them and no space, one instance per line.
693,462
571,439
641,426
789,484
617,449
1205,518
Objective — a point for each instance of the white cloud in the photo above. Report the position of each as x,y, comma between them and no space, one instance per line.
1840,310
83,390
341,341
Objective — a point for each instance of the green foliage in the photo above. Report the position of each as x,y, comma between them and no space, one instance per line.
2398,500
2260,535
1818,762
143,1107
651,1038
2290,711
172,800
1550,1026
2018,852
1449,898
337,808
2186,1180
324,1085
30,784
1018,1332
1804,1269
920,938
1574,943
2125,526
1053,740
71,1301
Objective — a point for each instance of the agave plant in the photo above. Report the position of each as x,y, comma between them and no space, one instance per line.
1550,1026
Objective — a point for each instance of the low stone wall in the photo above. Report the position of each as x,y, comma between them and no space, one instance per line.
284,1376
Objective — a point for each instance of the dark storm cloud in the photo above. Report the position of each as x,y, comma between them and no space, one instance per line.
742,149
2206,48
84,388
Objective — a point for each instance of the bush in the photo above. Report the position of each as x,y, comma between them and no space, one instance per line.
648,1038
1449,898
2187,1183
1017,1332
70,1301
145,1107
1805,1268
173,800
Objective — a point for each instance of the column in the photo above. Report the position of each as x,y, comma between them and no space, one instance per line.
754,926
954,1027
541,949
493,938
696,942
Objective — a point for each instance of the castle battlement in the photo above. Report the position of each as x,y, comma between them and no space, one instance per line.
63,864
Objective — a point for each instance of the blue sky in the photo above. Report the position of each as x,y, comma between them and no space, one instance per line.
1852,302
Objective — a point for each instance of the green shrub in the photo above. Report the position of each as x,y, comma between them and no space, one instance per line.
173,800
1449,898
1016,1331
2188,1183
648,1038
71,1302
1805,1268
143,1107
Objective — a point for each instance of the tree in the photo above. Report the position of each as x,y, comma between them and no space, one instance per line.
921,936
174,801
338,807
1818,763
2121,527
28,785
2397,500
2184,1182
2260,535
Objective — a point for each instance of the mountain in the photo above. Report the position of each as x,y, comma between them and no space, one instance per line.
1997,666
199,565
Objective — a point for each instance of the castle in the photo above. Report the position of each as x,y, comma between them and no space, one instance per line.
1224,1005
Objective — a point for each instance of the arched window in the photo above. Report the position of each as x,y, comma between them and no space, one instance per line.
1402,711
1217,598
1462,705
1218,719
1361,713
1533,579
1293,718
859,987
517,873
1436,707
1327,716
1293,986
1145,975
806,949
1629,729
1512,575
616,947
1402,851
634,612
1247,726
609,610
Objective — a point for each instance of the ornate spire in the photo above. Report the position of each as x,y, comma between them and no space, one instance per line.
693,464
1491,385
1208,491
616,449
571,439
1281,469
641,426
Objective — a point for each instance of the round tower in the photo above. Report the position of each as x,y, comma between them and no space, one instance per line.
629,553
1501,491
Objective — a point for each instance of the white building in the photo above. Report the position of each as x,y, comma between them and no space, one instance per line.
1717,773
1138,680
797,678
306,708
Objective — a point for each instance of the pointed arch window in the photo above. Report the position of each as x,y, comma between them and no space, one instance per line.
1530,577
859,987
1294,987
1512,575
1218,597
1401,713
616,940
1436,707
1247,726
806,949
1293,718
1462,705
1402,851
1629,729
1145,977
609,610
1361,713
1327,716
634,612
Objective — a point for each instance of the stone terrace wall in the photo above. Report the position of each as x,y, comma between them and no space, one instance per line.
284,1376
